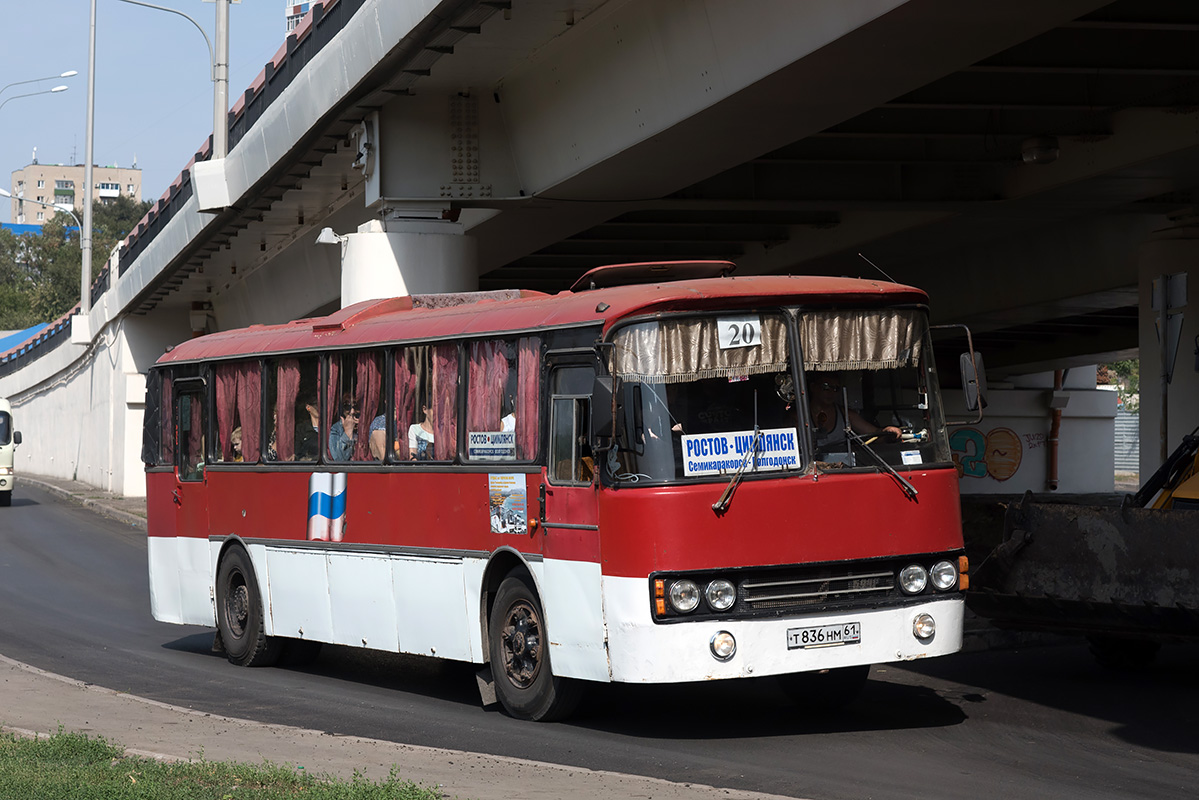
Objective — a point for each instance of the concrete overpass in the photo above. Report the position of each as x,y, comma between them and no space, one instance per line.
1033,165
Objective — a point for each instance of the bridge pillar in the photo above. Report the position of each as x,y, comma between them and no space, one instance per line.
415,257
1171,251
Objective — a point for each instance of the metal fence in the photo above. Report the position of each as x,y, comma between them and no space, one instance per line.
1128,441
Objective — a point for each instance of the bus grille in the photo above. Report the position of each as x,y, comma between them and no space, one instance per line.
781,593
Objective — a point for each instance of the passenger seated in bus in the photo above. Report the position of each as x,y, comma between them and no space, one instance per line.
235,443
828,415
377,437
508,410
307,429
420,437
341,436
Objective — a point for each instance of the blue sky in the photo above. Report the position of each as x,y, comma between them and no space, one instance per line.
153,86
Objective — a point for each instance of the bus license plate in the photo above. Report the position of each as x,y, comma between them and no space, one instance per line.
824,635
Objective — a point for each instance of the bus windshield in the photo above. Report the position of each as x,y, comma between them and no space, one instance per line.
712,397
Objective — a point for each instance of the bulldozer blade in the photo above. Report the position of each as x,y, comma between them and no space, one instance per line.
1094,570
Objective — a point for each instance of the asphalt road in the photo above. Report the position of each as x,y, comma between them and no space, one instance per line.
1029,723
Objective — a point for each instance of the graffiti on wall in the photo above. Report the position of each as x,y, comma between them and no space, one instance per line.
995,454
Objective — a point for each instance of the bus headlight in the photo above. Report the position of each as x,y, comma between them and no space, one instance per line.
943,575
720,595
924,627
913,579
723,645
684,596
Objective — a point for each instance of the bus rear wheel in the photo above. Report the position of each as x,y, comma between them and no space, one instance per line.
520,661
239,613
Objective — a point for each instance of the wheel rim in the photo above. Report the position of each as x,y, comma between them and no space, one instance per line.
237,604
520,644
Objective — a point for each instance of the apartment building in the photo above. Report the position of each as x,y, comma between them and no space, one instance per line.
60,184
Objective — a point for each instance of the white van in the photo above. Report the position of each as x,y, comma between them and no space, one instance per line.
9,439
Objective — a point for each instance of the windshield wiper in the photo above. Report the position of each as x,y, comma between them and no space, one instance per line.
726,497
908,488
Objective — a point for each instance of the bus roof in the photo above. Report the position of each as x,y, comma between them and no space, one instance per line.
432,317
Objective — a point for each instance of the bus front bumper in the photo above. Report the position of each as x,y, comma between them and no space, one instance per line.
642,651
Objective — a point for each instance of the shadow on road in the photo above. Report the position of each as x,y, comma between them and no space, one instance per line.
754,708
18,501
745,708
1153,708
451,681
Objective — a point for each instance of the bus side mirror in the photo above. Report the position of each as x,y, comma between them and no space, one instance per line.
602,414
16,437
974,381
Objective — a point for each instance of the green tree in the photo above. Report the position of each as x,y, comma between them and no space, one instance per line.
39,273
1126,375
112,222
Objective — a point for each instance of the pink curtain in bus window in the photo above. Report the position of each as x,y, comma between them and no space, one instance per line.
528,376
488,375
287,386
369,383
405,398
445,401
226,407
195,435
476,382
332,401
249,408
168,420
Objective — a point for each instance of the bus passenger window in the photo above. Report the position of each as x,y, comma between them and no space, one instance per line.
295,410
415,433
353,405
238,411
504,379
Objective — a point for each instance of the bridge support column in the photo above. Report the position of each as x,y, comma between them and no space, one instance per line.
1173,250
418,257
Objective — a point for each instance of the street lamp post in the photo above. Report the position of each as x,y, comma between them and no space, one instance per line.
55,90
85,232
68,74
63,207
220,70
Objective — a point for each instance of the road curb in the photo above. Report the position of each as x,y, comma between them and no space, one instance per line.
99,506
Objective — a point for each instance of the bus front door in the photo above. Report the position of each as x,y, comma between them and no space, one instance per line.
569,516
191,488
567,505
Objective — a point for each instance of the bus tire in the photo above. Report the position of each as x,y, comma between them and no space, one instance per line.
826,689
520,660
239,613
5,498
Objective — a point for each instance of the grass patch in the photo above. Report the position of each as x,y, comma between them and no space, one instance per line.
72,766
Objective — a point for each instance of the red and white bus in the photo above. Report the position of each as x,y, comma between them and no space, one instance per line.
625,482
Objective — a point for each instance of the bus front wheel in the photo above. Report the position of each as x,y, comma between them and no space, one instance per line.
239,613
520,661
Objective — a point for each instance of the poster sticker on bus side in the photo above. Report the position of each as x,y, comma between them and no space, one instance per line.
718,453
507,504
